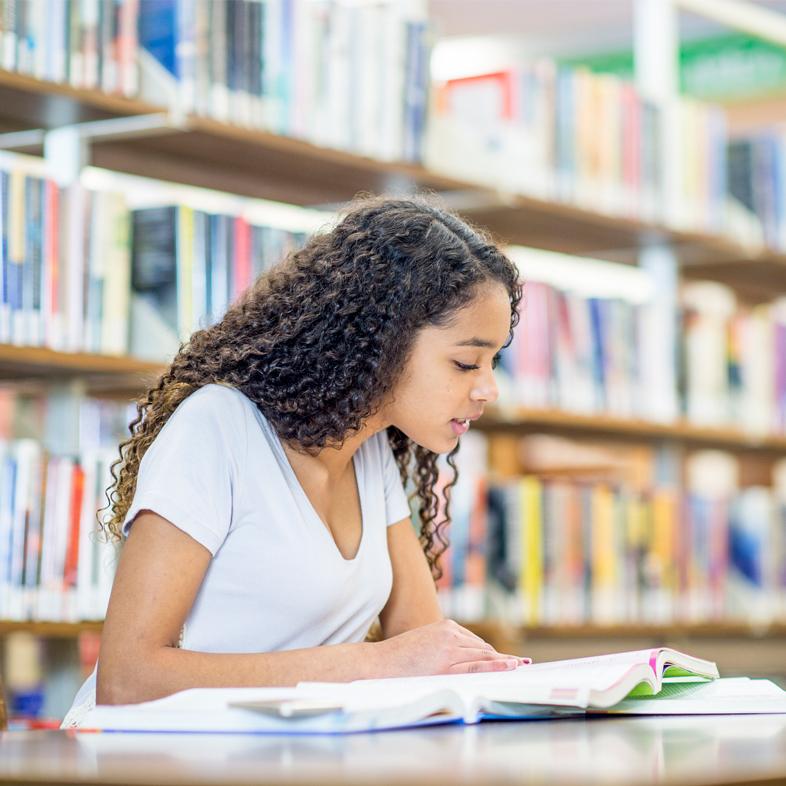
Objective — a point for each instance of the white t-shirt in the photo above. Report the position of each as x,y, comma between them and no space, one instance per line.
276,580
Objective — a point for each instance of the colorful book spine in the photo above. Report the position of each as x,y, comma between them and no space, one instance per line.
346,75
64,265
578,353
89,44
54,563
562,551
188,266
567,134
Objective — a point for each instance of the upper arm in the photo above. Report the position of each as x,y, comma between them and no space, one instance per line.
413,598
158,576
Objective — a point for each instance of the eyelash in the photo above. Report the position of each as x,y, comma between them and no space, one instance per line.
465,367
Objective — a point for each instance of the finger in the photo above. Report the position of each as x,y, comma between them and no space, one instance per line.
467,654
524,660
484,666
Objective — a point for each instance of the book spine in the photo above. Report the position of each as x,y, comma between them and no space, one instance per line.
5,271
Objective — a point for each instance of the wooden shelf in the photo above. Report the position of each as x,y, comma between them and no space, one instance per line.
100,372
55,630
28,102
267,166
263,165
205,152
756,278
492,627
106,372
737,648
555,421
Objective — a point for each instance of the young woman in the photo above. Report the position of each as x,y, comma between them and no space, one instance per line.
260,495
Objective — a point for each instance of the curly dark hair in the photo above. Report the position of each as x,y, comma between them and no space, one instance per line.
318,341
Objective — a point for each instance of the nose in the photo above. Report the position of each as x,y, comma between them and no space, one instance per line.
485,390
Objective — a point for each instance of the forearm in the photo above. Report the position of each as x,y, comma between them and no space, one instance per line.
167,670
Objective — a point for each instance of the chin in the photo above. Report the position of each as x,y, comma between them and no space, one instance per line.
432,442
439,445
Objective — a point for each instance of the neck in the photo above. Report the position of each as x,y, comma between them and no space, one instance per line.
332,463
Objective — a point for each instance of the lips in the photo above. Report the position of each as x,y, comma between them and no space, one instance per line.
460,426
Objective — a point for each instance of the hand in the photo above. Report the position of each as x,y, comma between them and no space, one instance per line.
443,647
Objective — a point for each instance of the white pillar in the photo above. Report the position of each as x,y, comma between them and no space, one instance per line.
656,64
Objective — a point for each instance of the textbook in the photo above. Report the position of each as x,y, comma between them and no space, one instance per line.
628,682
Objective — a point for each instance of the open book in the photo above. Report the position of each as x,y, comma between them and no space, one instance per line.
629,682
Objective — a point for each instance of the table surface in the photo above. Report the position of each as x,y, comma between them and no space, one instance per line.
671,750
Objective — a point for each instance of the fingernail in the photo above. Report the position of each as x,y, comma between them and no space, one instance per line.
525,661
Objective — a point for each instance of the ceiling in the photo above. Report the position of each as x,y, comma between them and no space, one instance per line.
558,27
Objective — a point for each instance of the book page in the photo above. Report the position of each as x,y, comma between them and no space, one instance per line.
569,682
735,695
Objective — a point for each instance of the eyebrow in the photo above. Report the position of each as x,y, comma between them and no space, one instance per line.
476,342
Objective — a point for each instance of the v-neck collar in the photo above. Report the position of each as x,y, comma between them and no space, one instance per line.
295,484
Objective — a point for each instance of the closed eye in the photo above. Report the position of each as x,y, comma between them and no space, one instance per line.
471,367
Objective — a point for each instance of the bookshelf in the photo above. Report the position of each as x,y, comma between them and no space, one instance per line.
205,152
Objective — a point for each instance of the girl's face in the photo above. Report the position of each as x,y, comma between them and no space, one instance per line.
448,379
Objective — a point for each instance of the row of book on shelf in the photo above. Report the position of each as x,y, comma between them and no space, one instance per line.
292,67
550,533
589,355
356,76
566,134
55,564
547,548
80,270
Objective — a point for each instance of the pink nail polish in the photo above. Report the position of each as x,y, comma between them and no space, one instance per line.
525,661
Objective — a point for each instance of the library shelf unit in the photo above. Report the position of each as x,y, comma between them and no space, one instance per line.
205,152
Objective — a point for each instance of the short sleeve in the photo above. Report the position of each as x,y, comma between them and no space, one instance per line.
396,503
188,473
